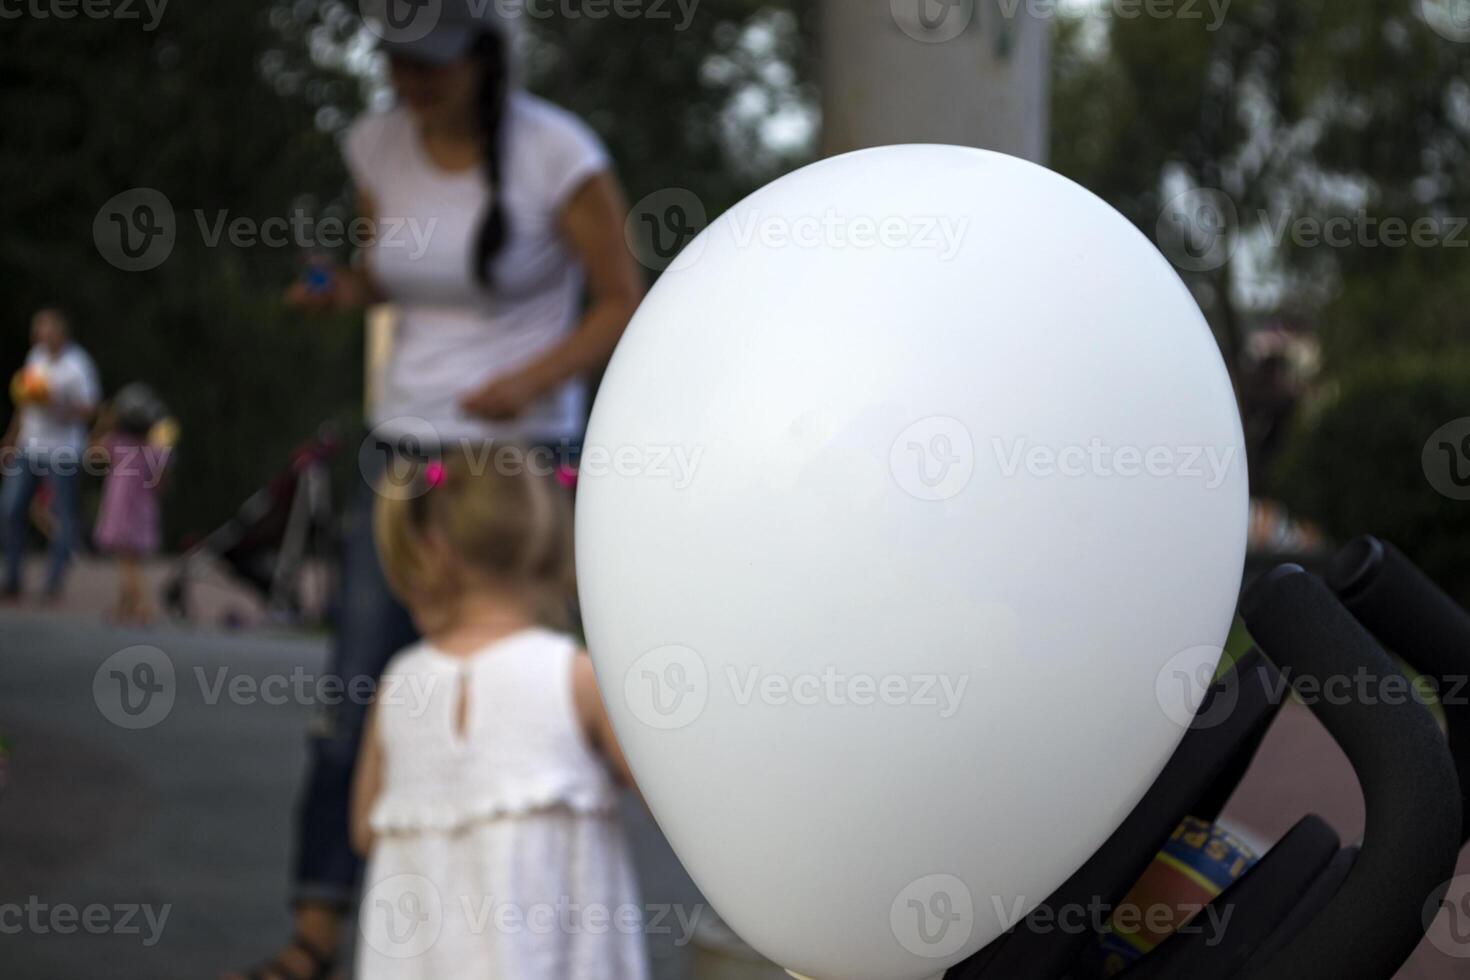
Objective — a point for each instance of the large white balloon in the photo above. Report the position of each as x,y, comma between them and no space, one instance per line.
913,513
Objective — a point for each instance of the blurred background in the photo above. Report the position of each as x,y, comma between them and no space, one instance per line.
1304,163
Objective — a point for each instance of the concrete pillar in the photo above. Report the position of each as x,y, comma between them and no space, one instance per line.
969,72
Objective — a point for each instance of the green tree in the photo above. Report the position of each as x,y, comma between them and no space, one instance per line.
1294,109
1304,113
232,110
222,109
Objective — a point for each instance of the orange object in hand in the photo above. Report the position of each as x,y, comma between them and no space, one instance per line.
30,386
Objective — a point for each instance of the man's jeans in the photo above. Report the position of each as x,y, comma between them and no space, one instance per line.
22,479
372,627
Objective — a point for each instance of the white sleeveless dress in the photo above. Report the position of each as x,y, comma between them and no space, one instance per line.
498,853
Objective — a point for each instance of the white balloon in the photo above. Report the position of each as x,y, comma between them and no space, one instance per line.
910,488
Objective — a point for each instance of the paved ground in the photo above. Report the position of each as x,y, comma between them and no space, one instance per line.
190,816
188,819
1300,770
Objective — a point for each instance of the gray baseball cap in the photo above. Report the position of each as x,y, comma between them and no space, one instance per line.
436,32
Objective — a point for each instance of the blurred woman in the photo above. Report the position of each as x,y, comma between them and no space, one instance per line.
494,213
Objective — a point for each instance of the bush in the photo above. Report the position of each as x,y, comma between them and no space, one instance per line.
1354,464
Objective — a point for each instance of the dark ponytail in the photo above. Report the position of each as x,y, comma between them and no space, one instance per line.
492,51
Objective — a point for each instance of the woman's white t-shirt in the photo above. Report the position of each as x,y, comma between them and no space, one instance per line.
454,335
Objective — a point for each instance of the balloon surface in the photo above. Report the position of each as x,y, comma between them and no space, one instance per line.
911,523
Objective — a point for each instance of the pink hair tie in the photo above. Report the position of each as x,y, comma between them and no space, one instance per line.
566,476
434,474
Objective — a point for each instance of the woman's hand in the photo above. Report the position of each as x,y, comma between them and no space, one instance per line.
331,288
345,289
503,399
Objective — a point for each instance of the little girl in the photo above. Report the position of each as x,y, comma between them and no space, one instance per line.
484,795
138,439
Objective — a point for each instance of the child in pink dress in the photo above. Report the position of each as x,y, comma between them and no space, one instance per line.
138,443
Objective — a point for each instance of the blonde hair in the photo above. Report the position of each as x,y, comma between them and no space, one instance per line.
495,514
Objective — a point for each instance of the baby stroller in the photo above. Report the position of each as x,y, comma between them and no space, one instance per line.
1313,906
269,541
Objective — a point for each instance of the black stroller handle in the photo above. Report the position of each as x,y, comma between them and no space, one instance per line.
1374,922
1415,619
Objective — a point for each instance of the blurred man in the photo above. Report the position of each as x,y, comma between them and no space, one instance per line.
55,395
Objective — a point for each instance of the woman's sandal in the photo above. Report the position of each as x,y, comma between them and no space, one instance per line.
322,964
